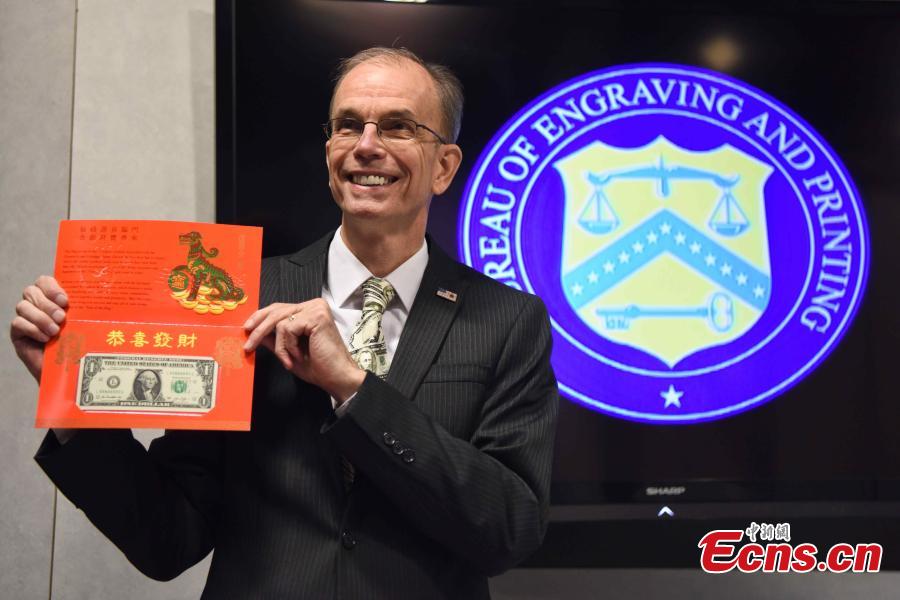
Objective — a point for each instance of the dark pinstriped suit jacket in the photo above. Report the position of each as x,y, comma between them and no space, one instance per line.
452,455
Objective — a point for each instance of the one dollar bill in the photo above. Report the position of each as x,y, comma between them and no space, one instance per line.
141,382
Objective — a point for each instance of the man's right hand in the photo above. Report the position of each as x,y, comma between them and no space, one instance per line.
38,317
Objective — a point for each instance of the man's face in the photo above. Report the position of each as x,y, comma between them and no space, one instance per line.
412,170
147,380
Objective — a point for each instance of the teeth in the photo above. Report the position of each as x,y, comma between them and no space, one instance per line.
371,180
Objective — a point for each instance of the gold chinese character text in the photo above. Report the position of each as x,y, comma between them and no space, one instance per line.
115,338
162,340
186,341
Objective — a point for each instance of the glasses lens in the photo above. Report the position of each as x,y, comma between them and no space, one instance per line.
397,129
344,127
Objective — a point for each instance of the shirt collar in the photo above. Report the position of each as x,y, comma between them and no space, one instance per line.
346,273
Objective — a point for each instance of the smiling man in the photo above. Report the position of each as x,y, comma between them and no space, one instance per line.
404,409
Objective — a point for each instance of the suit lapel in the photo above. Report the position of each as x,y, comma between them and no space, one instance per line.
428,321
301,278
304,281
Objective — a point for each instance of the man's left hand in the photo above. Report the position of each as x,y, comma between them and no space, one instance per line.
306,341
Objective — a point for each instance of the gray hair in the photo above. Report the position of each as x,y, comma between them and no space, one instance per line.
449,88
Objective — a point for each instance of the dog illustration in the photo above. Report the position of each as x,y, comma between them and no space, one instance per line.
204,273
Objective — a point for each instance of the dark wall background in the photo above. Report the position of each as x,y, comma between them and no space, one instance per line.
831,438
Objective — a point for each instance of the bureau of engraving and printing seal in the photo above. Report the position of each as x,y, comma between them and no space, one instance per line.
699,247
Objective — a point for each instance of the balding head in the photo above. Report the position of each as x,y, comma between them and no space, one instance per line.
447,86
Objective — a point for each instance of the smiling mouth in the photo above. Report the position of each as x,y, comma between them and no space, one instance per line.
372,180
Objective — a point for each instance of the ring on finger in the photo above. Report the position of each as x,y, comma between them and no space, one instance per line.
291,318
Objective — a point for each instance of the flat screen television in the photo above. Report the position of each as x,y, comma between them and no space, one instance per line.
804,435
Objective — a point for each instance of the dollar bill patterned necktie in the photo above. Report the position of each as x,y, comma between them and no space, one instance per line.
367,345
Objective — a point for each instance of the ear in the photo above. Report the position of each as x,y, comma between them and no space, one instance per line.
448,159
328,163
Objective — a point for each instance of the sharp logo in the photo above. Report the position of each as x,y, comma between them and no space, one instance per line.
673,490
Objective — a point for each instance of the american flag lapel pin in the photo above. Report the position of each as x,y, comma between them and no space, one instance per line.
446,294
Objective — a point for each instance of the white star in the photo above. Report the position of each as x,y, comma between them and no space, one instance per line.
592,277
652,237
672,397
695,248
725,269
710,260
577,289
608,267
679,238
742,279
758,292
665,228
623,257
637,247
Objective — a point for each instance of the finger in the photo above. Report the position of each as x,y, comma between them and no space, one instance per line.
299,351
52,290
21,328
258,316
268,342
36,296
292,330
261,330
290,339
271,318
41,320
304,348
262,322
293,348
283,339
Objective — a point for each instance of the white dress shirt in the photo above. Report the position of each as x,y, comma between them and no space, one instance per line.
343,292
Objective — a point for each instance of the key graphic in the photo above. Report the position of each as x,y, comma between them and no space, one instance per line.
718,312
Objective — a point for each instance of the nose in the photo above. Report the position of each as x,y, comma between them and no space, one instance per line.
369,144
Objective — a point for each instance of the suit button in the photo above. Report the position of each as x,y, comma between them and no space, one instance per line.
389,439
347,540
398,448
408,455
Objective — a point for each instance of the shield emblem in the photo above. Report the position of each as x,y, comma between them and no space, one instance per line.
665,249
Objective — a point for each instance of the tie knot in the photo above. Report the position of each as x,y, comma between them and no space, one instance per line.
377,294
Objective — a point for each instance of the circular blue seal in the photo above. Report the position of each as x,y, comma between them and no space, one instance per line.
699,247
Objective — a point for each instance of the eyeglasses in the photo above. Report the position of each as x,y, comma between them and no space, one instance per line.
392,129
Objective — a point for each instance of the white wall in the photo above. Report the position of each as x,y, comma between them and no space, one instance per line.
36,60
144,115
106,111
143,140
